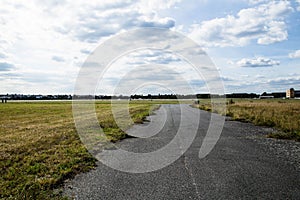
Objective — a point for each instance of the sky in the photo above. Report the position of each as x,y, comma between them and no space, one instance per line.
254,45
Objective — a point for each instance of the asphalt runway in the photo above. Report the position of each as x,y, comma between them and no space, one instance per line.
243,164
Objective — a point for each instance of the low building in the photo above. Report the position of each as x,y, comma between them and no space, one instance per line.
292,93
297,94
266,97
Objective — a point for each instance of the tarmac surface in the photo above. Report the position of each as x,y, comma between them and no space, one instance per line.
243,164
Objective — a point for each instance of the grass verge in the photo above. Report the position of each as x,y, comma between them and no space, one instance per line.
39,146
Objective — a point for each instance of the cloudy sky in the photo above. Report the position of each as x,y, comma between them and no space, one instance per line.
255,44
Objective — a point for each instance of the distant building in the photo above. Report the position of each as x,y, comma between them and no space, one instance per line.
278,94
292,93
266,97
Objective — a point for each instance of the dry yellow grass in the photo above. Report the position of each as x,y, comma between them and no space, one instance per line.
282,114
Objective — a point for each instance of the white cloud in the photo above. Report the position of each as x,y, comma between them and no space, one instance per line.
5,66
108,18
147,5
3,55
58,59
257,62
39,24
261,83
287,81
259,76
263,23
298,8
127,80
85,51
253,2
227,79
152,57
46,42
295,54
34,34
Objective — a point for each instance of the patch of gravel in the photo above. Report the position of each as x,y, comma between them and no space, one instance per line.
289,150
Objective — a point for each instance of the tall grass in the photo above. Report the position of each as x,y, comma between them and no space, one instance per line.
283,115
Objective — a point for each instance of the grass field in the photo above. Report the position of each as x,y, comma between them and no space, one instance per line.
39,146
283,114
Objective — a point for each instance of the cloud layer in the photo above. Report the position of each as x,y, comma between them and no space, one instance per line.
58,58
257,62
44,43
295,54
110,17
264,24
4,66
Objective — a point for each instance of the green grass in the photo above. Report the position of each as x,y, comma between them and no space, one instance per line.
284,114
40,148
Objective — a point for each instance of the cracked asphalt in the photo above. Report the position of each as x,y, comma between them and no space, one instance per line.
244,164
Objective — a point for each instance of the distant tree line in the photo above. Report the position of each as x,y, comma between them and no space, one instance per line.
139,96
35,97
